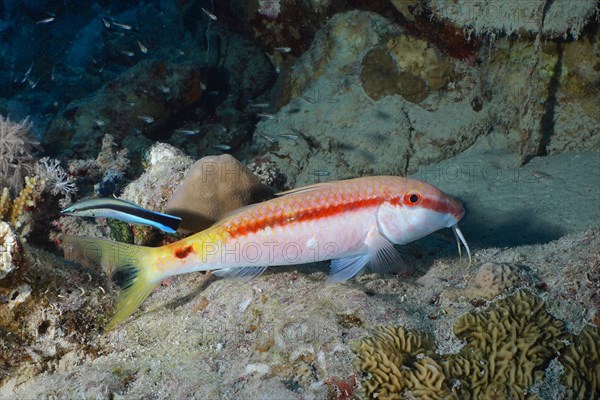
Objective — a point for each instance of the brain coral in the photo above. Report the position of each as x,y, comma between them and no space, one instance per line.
507,349
582,364
492,278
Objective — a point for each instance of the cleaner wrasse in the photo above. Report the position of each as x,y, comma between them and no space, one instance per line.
353,222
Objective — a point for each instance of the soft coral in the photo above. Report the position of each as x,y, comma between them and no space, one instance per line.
16,152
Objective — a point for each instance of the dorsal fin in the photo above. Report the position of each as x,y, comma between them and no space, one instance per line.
304,189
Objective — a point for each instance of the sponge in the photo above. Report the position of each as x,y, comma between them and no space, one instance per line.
213,187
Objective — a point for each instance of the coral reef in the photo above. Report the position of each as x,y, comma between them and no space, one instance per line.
48,308
559,18
9,249
390,357
25,201
490,280
213,187
380,77
137,104
16,153
165,168
407,66
267,174
519,73
582,364
309,143
506,349
108,161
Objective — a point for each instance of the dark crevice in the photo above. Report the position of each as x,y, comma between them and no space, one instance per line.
547,122
545,10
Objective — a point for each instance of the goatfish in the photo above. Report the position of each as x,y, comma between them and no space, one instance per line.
124,211
351,222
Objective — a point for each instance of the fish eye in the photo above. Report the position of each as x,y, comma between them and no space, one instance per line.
412,199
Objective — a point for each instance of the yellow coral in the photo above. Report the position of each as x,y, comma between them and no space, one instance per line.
5,203
506,351
25,200
397,360
582,364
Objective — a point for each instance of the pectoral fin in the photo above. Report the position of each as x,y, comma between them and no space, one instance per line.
383,257
345,268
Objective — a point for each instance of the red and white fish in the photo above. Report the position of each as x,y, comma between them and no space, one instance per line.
354,223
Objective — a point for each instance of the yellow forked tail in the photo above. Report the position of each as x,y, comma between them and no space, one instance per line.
131,267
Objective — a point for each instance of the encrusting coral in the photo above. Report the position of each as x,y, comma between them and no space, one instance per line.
582,364
406,66
381,77
491,279
506,350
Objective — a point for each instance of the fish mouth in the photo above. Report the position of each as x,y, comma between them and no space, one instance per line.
457,209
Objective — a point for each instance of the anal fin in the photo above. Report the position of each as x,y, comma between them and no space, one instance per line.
240,273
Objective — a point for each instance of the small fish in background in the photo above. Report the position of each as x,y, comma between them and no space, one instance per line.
221,147
221,128
265,116
202,86
321,173
99,122
259,105
164,89
209,14
123,211
268,138
106,23
33,84
283,50
125,27
188,132
309,99
45,21
213,93
27,73
288,136
127,53
143,48
146,118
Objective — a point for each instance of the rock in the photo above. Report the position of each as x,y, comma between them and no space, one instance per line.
165,168
560,17
213,187
563,93
132,102
347,120
70,360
